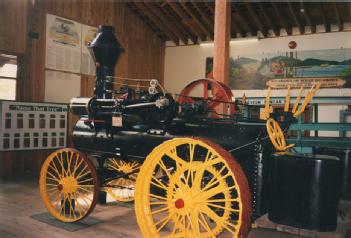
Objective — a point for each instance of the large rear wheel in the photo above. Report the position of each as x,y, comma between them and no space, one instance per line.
192,188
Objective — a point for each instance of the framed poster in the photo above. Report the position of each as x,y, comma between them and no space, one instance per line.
32,126
63,44
87,64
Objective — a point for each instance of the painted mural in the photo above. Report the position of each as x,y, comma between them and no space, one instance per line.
330,68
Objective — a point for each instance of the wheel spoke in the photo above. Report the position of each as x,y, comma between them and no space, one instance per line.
164,221
204,223
159,210
221,207
157,197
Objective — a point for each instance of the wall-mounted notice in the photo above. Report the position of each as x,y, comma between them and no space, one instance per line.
60,87
63,44
32,126
87,64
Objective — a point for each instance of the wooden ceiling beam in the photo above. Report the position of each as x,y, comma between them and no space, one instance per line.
272,25
308,18
338,17
204,16
325,20
156,21
183,27
236,28
173,27
281,19
196,20
185,19
248,27
257,21
295,18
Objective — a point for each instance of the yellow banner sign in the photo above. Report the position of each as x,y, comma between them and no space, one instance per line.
305,82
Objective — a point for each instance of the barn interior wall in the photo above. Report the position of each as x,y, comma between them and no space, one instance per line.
143,57
186,63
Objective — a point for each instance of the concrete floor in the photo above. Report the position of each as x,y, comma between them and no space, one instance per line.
19,199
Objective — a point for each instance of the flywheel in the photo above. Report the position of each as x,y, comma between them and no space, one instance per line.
213,92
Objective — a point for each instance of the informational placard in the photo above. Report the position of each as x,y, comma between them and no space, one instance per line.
87,64
32,126
63,44
60,87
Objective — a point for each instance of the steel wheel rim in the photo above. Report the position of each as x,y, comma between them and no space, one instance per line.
197,216
68,181
122,194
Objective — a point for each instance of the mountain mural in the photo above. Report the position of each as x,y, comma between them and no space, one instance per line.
253,72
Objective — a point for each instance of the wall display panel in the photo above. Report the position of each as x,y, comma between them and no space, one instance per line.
32,126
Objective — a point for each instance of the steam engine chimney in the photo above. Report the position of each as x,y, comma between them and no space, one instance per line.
106,50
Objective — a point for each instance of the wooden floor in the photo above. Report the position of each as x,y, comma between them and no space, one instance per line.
19,199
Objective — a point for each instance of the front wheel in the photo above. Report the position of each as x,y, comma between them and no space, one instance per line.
192,188
68,185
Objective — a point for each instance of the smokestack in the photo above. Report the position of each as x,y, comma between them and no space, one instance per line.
106,50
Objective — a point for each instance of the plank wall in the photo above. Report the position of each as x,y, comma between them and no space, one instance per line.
143,57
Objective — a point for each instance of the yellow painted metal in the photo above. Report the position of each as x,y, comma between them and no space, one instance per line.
197,192
307,100
287,100
267,103
123,188
68,185
276,135
297,101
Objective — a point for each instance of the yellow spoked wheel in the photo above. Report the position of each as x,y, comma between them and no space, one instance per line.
122,189
192,188
276,135
68,185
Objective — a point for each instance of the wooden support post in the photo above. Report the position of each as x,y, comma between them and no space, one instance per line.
221,45
221,41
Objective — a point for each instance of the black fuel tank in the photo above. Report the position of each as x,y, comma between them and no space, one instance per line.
344,155
304,191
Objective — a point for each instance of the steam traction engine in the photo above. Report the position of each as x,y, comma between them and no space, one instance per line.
193,171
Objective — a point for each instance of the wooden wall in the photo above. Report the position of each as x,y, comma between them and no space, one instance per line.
143,57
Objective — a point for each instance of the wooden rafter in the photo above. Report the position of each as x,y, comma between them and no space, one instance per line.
173,27
257,21
185,19
248,27
338,18
295,18
270,22
325,20
183,27
156,21
200,24
280,18
236,28
308,18
204,15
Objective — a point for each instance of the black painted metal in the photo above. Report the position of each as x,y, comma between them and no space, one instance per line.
145,126
344,154
106,51
304,191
